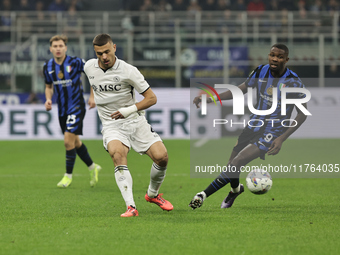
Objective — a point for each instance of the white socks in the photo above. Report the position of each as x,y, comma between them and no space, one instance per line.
124,182
236,190
68,175
157,176
91,167
203,195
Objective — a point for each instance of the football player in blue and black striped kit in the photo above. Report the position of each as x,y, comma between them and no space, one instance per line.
62,75
266,133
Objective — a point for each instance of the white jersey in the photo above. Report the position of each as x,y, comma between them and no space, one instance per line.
114,88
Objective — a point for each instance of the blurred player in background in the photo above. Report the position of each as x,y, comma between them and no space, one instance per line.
64,72
256,140
113,84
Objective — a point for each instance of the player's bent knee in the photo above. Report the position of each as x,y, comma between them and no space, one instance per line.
162,159
69,145
118,158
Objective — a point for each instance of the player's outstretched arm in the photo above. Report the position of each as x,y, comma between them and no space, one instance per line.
48,95
277,143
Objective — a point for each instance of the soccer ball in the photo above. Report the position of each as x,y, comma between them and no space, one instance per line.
259,181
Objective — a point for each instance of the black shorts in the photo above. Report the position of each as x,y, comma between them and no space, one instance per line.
73,122
262,139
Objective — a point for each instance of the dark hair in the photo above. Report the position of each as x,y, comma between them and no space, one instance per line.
57,38
281,47
101,39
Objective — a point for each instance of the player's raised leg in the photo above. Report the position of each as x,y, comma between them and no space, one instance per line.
159,155
118,152
248,154
94,168
222,180
231,175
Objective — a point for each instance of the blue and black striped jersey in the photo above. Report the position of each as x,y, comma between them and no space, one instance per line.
262,80
66,79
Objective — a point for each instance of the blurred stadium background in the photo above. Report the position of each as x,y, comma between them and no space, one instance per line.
170,41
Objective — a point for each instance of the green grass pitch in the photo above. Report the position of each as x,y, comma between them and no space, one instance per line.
297,216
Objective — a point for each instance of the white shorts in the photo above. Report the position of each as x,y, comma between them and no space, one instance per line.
136,133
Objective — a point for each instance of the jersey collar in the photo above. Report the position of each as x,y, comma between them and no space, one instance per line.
283,74
115,66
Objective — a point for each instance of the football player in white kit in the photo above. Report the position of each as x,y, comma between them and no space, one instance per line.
113,84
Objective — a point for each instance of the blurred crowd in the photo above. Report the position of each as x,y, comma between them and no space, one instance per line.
39,5
173,5
233,5
320,14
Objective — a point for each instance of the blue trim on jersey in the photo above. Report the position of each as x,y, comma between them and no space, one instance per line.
262,80
69,89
